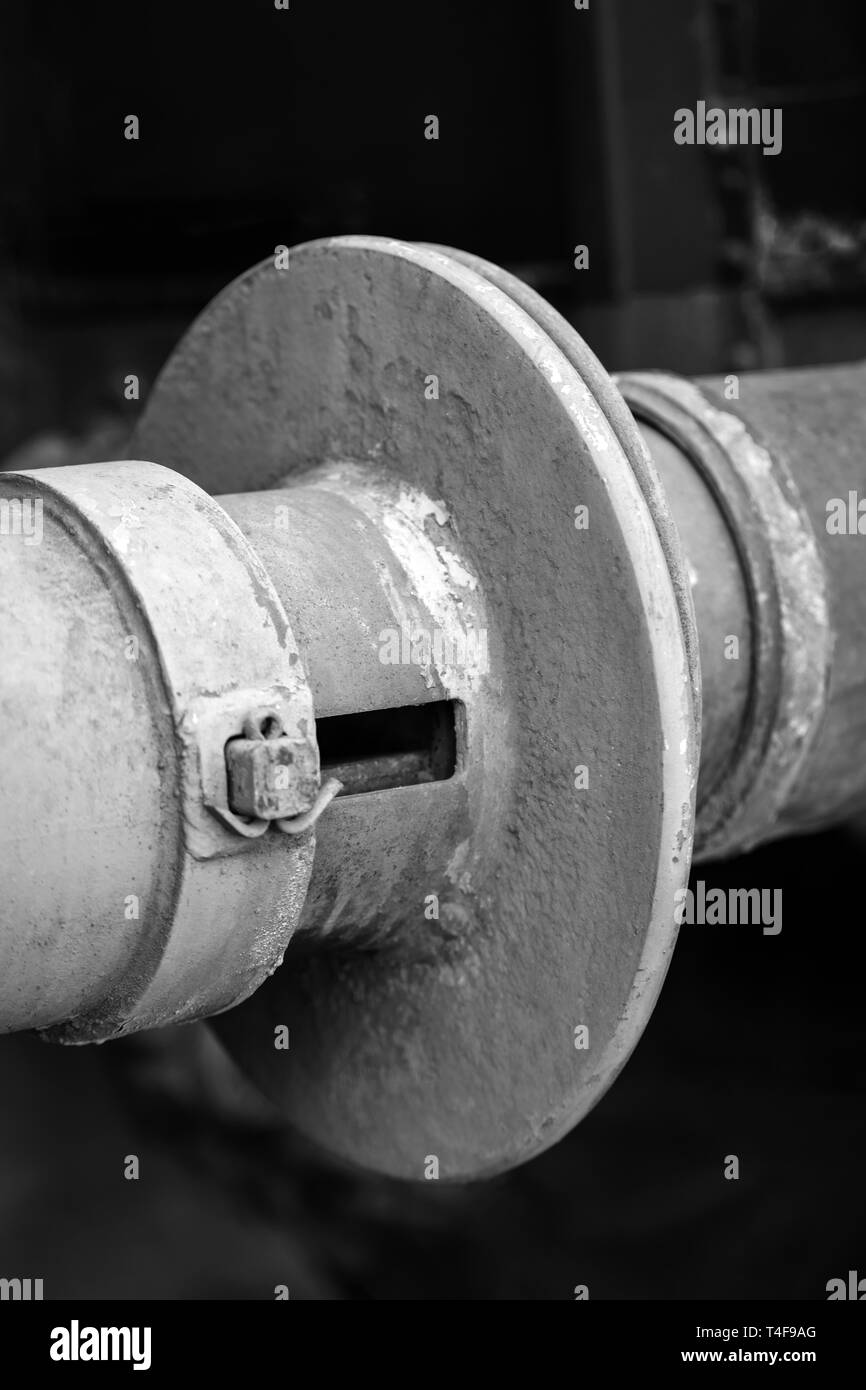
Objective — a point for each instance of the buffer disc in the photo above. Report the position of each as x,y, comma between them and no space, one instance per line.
488,1044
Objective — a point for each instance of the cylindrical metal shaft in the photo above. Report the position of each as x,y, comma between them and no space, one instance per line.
370,577
498,612
765,477
765,474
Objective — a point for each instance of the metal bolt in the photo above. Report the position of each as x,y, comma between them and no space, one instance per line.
270,776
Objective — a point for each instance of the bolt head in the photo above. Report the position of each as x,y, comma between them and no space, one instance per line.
271,778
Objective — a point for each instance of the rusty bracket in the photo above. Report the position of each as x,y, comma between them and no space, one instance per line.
229,785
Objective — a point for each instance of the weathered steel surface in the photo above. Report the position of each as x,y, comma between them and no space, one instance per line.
383,773
136,634
359,559
813,424
457,1039
721,604
773,457
487,921
631,438
270,775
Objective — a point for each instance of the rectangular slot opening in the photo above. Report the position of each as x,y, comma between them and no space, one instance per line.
385,748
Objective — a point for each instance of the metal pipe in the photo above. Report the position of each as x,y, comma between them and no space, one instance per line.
385,610
325,546
758,469
515,823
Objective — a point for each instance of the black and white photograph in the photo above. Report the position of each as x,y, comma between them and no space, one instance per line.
432,673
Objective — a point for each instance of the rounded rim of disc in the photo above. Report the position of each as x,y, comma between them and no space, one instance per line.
469,1055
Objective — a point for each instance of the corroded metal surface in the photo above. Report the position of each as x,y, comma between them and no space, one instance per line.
458,529
813,423
362,563
458,1039
792,633
719,590
135,632
631,439
269,774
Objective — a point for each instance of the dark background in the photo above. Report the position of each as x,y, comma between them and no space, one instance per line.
261,127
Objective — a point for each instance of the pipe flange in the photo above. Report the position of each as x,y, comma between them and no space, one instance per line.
787,589
480,1044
